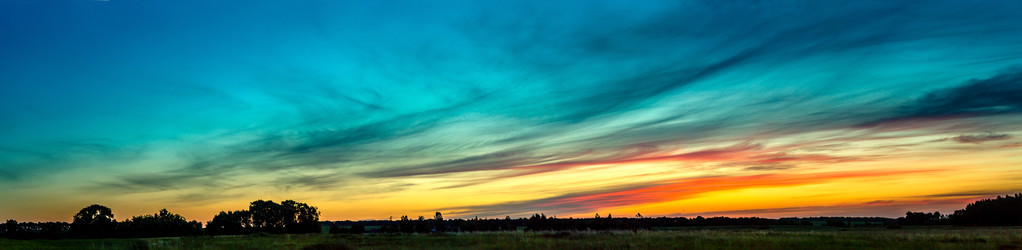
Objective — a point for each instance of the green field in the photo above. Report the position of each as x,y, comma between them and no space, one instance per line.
705,238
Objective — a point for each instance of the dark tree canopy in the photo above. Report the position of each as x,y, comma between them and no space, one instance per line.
438,220
33,230
94,221
922,219
231,222
162,224
300,217
1002,211
268,216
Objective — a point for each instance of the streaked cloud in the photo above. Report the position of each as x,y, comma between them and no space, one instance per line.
659,192
510,107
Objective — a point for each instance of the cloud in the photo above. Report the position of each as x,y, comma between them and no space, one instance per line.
143,183
321,182
980,138
204,197
969,194
997,95
879,208
8,175
525,164
586,202
343,92
1012,145
768,167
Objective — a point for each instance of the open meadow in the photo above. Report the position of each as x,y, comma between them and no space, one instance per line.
696,238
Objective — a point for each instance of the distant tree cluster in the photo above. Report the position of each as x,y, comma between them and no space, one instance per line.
541,222
161,224
267,216
97,221
923,219
94,221
32,230
1002,211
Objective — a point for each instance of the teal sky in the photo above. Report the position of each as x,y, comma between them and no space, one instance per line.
194,105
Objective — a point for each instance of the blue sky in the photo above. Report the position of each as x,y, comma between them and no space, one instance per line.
203,106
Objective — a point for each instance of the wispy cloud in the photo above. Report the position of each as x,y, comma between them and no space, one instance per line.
659,192
328,96
980,138
879,208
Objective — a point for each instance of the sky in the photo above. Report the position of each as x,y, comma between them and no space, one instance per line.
377,109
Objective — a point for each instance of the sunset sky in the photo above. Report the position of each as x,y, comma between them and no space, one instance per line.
373,109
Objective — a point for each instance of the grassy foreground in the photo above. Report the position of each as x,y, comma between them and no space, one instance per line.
719,238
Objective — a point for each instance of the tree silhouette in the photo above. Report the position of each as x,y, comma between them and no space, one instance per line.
922,219
439,220
236,222
162,224
32,230
11,229
300,217
406,225
1002,211
421,226
94,221
267,216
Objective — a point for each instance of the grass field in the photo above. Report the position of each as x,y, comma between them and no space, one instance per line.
709,238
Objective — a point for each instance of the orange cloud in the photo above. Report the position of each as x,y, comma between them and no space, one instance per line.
888,208
666,191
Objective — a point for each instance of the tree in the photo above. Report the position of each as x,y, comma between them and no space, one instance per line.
1002,211
287,217
162,224
11,229
537,222
439,220
236,222
406,225
920,218
421,226
267,216
508,226
94,221
300,217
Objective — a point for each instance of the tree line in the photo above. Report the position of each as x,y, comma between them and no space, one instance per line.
97,221
1000,211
